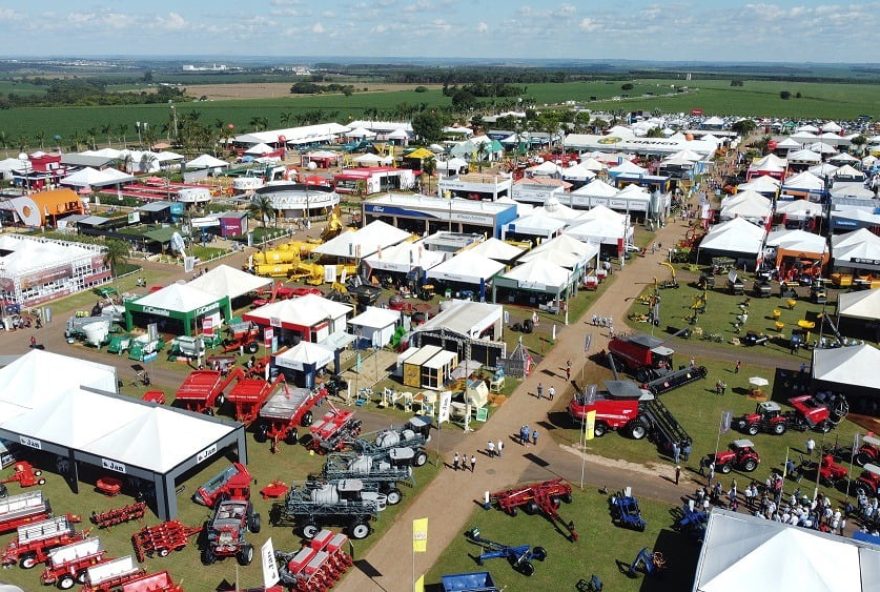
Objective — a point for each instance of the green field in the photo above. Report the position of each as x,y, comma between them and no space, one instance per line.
600,546
20,88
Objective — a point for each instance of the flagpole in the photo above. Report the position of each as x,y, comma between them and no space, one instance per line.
413,551
852,458
583,448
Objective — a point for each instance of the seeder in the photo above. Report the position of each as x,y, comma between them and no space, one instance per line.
317,566
519,556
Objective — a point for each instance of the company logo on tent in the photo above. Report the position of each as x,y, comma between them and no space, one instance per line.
157,311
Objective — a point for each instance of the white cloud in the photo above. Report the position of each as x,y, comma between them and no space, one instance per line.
328,14
317,28
566,10
482,27
286,2
7,14
173,22
420,6
589,25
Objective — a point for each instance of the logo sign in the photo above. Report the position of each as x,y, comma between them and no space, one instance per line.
275,321
208,326
112,465
270,568
156,311
268,334
134,217
207,308
206,453
30,442
726,420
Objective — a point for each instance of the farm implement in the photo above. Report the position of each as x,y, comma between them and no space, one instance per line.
67,565
161,539
250,394
21,509
534,498
625,511
387,474
111,576
25,475
331,432
518,556
34,541
415,434
202,390
285,412
121,515
316,504
317,566
233,483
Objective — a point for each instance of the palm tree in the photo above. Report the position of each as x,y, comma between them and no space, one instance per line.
106,129
259,123
116,255
22,143
429,166
4,143
92,133
147,161
122,129
285,118
126,162
261,207
41,138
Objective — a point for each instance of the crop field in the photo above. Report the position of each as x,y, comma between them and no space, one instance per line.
20,88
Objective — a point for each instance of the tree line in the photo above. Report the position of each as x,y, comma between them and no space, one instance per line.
81,92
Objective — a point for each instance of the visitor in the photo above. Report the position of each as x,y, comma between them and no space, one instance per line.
500,447
551,392
455,461
490,449
540,390
677,473
473,463
737,367
811,446
535,437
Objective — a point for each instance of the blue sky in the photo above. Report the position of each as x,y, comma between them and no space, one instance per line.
714,30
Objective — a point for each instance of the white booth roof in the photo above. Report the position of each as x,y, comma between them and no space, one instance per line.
179,298
404,257
854,365
539,275
227,281
497,249
863,304
364,241
735,236
376,318
305,311
467,267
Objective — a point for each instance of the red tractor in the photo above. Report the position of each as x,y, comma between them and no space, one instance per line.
868,482
640,355
740,454
831,473
869,451
808,413
225,533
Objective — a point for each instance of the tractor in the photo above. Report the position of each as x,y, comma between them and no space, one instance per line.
831,473
740,454
519,556
225,533
868,482
869,451
625,511
809,413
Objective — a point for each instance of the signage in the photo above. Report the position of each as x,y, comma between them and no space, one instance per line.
204,222
208,326
270,567
30,442
275,321
207,308
865,261
134,217
112,465
445,407
268,334
482,414
206,453
726,419
156,311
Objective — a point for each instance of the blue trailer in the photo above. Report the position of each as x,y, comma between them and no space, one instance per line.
478,581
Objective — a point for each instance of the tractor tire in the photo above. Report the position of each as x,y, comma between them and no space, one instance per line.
725,469
218,402
245,555
531,508
41,481
479,560
393,496
420,459
310,531
641,526
359,530
566,497
513,511
638,430
37,473
750,465
599,430
66,582
28,561
862,459
526,568
291,437
741,425
255,523
260,435
163,552
208,558
752,429
779,429
539,553
306,420
251,347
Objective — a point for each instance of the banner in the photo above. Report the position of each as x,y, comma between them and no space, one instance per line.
420,535
208,326
590,430
726,420
270,568
445,407
420,584
268,334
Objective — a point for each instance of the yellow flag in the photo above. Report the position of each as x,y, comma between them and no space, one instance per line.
590,428
420,535
420,584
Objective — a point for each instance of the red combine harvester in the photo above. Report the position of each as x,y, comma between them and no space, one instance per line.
68,564
317,566
162,539
250,394
21,509
285,412
233,483
640,355
332,432
534,498
809,414
110,576
202,390
35,540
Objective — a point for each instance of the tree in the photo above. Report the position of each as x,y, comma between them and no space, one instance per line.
655,132
285,118
147,161
428,125
421,89
106,129
148,76
115,256
122,129
627,86
261,208
22,143
92,134
784,95
4,143
744,127
477,121
429,167
259,123
859,142
40,136
736,83
797,95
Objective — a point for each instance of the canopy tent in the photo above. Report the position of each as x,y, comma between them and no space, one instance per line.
226,281
805,182
296,314
600,231
854,217
798,209
578,172
89,177
831,127
606,214
466,268
554,209
362,242
822,148
400,134
789,144
522,209
862,304
685,155
823,170
768,165
591,164
744,552
259,149
749,195
761,184
375,325
373,160
360,133
597,188
854,366
804,157
851,191
459,130
843,158
181,302
305,356
808,128
453,166
849,173
859,249
404,257
535,225
536,276
749,205
627,168
799,244
206,161
734,236
497,249
546,168
564,250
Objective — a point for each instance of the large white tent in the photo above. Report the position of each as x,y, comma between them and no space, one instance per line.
823,170
89,177
363,242
535,225
862,304
404,257
206,161
597,188
375,325
798,209
304,356
578,172
178,297
627,168
536,276
734,236
745,552
498,250
600,231
259,149
804,157
227,281
804,182
466,268
564,250
854,365
859,249
749,205
854,217
762,184
799,241
769,164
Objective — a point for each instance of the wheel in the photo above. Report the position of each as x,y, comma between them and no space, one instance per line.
599,430
359,530
291,437
725,468
208,557
566,497
531,508
750,465
526,568
638,431
512,511
255,523
246,555
779,429
66,582
38,472
825,427
741,425
862,459
420,459
261,434
209,411
28,561
393,496
81,576
164,552
310,531
306,419
252,347
41,481
753,429
539,553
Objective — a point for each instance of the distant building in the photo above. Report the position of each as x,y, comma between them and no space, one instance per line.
211,68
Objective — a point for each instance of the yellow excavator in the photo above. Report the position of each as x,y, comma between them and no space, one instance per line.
672,283
334,225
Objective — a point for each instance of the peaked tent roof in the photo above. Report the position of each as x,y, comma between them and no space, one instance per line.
789,143
259,149
206,161
849,171
805,181
628,168
178,297
563,244
822,170
540,275
546,168
797,240
376,318
305,311
823,148
859,244
467,267
364,241
592,164
604,213
597,188
805,155
735,236
831,127
843,157
852,190
497,249
853,365
404,257
798,209
808,128
227,281
536,224
761,184
598,230
864,304
305,353
578,172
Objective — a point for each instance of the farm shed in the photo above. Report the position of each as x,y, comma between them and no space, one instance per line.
85,421
375,326
183,304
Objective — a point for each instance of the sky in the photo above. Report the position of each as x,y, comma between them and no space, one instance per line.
703,30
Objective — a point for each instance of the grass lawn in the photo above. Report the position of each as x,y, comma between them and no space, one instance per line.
600,546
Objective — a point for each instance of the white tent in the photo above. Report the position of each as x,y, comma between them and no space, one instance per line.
578,172
459,130
799,209
713,121
734,236
591,164
634,193
854,365
452,166
227,281
822,170
851,191
498,250
855,216
363,242
404,257
761,184
823,148
857,249
746,204
789,144
804,156
686,154
606,214
537,275
375,325
554,209
627,168
597,188
372,160
467,268
360,133
398,134
89,177
259,149
306,311
863,304
849,172
206,161
305,356
178,297
769,164
744,552
536,225
564,250
797,240
831,127
600,231
106,153
805,181
546,169
842,158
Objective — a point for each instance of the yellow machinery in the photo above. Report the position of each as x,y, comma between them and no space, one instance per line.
673,283
334,225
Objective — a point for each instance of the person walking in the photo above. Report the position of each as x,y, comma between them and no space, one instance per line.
500,447
811,446
535,437
677,473
676,452
567,371
686,451
455,461
540,390
711,471
551,392
737,367
524,433
490,449
473,463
